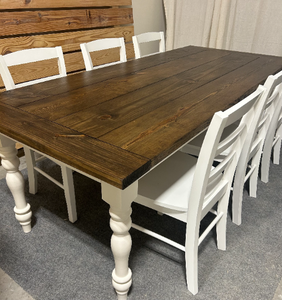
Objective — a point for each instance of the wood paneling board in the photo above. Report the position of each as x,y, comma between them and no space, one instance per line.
31,4
73,60
36,23
69,41
56,143
17,22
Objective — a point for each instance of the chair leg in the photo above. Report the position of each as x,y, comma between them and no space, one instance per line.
191,258
276,151
265,161
32,174
221,224
253,180
69,193
237,197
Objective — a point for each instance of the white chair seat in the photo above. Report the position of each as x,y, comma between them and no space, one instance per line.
171,179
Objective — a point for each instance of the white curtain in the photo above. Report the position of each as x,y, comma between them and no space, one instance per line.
242,25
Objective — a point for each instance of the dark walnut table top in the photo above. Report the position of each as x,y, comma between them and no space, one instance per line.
116,123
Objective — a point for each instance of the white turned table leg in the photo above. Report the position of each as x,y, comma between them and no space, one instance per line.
15,182
120,211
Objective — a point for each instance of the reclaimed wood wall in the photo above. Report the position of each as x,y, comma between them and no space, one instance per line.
67,23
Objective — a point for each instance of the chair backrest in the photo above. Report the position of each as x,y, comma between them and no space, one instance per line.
145,38
274,103
102,44
212,184
30,56
258,133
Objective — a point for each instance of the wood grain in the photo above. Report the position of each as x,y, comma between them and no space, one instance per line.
69,41
46,138
175,122
148,78
73,60
36,23
27,22
31,4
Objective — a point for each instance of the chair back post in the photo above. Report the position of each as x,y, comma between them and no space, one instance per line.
122,51
274,86
6,75
136,47
162,42
61,61
274,109
86,56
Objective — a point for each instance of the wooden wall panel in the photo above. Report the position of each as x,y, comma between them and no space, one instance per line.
29,4
39,23
27,22
70,41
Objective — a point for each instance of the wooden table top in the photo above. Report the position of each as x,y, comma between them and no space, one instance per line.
116,123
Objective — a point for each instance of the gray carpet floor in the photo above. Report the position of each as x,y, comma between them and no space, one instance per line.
64,261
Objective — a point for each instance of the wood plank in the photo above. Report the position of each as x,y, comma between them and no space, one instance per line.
30,4
27,22
137,134
129,51
118,167
114,87
69,41
104,118
74,62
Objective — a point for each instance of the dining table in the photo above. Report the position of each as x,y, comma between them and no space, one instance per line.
115,124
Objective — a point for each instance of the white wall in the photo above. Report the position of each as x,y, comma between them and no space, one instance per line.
148,15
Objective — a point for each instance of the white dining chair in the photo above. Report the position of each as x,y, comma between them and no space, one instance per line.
272,142
32,157
249,163
102,44
147,38
188,188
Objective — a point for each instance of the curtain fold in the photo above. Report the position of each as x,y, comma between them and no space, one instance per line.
250,26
